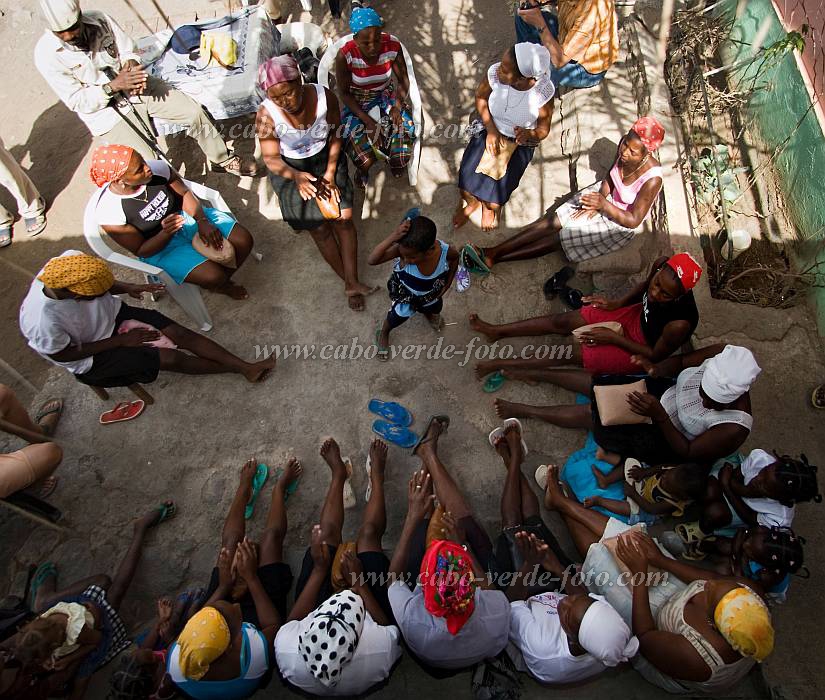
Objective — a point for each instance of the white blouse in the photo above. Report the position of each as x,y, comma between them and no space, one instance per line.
511,108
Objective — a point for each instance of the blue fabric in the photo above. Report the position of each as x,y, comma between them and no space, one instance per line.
578,474
779,590
736,522
179,258
363,17
641,517
420,284
570,75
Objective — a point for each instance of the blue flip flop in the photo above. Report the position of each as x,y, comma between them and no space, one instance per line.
396,434
291,488
411,214
258,481
391,411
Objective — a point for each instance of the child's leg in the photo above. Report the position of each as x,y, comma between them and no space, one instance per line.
614,476
611,504
393,320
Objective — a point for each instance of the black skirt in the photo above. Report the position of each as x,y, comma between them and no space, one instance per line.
483,187
305,215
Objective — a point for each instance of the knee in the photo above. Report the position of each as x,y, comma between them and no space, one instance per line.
241,239
102,581
274,534
715,515
180,335
211,275
370,533
330,534
321,234
53,453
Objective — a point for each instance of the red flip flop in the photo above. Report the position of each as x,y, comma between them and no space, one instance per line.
123,411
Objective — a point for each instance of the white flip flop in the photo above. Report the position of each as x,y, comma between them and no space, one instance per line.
628,463
495,433
349,494
541,476
368,467
516,421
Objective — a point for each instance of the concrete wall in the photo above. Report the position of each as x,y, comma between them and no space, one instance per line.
780,111
794,14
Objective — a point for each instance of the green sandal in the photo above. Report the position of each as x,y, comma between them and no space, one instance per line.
258,481
44,571
291,488
494,382
383,353
473,261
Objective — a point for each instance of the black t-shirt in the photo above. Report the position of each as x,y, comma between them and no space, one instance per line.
656,316
145,209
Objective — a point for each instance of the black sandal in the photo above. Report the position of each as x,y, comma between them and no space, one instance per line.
572,298
445,424
558,282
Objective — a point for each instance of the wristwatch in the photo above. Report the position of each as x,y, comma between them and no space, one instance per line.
108,90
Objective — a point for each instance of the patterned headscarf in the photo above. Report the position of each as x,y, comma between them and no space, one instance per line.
686,268
330,639
82,274
204,639
278,69
449,583
363,17
109,163
650,132
744,621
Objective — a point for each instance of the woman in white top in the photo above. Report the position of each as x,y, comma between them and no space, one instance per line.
704,416
514,102
298,128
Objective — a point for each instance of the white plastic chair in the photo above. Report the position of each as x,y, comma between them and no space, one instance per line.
297,35
188,296
326,66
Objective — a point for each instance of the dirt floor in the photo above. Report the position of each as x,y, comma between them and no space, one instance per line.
190,444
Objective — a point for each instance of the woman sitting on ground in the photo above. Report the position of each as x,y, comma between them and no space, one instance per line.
514,101
371,74
601,218
145,207
298,128
699,632
657,317
703,416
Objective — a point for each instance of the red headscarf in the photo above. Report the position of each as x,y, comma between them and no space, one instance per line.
686,268
449,583
109,163
650,132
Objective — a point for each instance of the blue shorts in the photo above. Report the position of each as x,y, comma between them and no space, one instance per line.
179,258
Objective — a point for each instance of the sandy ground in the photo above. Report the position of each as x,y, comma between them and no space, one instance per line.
191,443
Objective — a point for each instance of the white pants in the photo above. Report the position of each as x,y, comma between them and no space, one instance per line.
15,180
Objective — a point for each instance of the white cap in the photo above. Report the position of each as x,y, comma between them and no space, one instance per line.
604,634
730,374
60,14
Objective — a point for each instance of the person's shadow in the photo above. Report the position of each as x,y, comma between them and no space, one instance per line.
57,144
602,155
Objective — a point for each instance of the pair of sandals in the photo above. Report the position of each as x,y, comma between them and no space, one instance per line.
557,286
34,225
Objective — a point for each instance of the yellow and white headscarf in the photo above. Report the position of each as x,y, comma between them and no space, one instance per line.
82,274
205,638
744,621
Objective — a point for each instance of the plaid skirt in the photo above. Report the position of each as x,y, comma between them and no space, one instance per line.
115,638
585,237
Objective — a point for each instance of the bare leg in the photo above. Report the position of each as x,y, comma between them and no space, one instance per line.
561,324
214,359
272,537
490,214
234,527
375,514
12,410
328,246
332,513
47,595
446,490
609,457
348,241
128,566
583,532
539,232
533,370
578,416
511,506
611,504
550,244
462,212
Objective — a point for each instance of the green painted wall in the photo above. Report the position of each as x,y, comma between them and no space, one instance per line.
777,111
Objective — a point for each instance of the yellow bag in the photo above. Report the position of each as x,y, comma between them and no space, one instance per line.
220,48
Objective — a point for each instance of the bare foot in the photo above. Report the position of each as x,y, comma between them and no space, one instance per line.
506,409
553,494
332,456
233,291
154,516
436,322
528,376
513,436
609,457
429,444
484,368
462,213
486,329
356,302
258,371
378,460
601,480
591,502
489,219
292,472
360,288
503,450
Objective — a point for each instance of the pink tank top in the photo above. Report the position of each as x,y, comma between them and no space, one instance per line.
623,195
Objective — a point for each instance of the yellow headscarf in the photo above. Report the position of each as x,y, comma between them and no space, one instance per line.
82,274
204,639
744,621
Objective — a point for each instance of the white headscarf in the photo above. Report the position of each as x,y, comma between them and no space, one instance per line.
533,60
604,634
730,374
60,14
330,639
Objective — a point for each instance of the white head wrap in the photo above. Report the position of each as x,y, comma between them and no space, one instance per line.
60,14
604,634
730,374
331,638
533,60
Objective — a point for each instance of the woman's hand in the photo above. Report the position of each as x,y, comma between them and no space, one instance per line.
525,137
419,498
246,559
306,184
209,234
532,15
169,225
592,201
137,337
371,129
397,116
647,405
631,554
600,336
647,546
452,530
597,301
136,291
226,578
331,190
645,365
352,570
318,550
532,549
493,146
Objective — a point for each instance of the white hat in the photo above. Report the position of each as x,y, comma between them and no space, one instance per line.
60,14
604,634
730,374
533,60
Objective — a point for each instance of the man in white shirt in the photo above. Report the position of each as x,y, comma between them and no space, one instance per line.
72,317
93,67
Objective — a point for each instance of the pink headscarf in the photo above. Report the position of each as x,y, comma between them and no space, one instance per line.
278,69
650,132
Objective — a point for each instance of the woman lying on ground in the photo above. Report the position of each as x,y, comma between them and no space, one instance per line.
704,415
698,631
657,317
601,218
514,102
298,128
146,208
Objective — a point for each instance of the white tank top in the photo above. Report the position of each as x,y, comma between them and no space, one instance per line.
510,108
301,143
